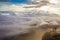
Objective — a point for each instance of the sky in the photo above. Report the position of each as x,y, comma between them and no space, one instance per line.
15,1
29,5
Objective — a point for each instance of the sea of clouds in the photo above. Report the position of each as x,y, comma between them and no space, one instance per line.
21,18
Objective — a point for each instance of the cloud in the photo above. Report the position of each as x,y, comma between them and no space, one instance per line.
30,16
29,8
35,5
12,7
15,25
16,8
51,1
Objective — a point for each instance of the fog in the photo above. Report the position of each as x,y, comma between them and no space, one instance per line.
19,24
21,19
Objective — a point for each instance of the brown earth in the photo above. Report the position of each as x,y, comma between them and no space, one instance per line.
34,35
37,34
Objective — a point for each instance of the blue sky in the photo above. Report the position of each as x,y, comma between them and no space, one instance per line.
19,1
15,1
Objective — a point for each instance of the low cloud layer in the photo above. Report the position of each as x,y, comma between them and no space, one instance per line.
20,18
13,25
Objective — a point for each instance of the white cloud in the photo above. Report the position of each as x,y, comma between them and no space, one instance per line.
6,14
12,7
16,8
30,7
4,8
53,1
